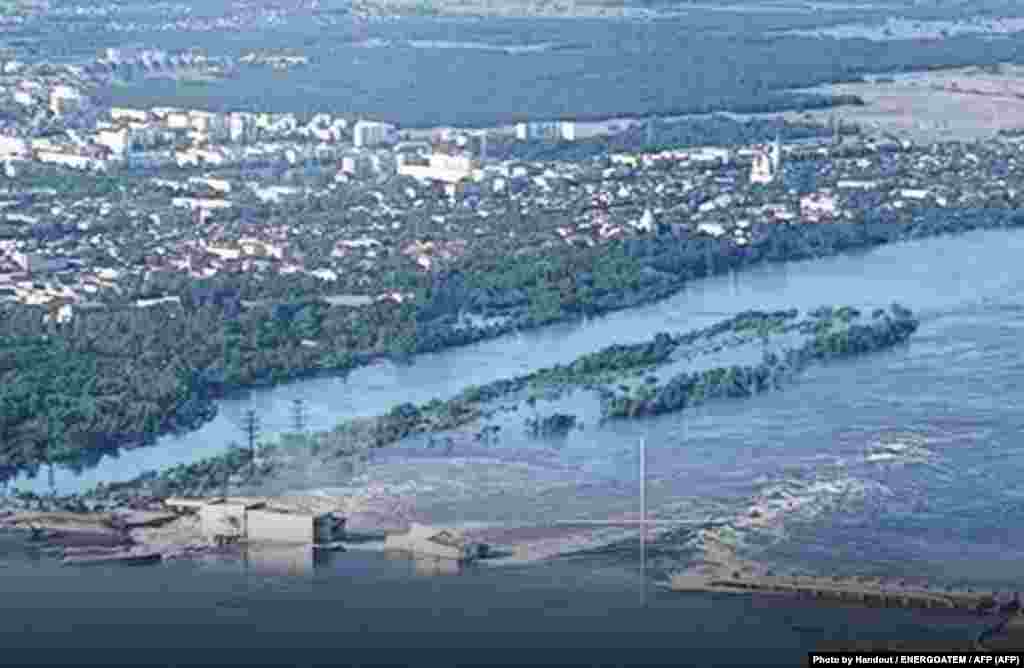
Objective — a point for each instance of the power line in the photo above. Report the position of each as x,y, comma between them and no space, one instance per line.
643,523
251,427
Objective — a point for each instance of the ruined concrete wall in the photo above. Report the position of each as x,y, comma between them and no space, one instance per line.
223,519
268,526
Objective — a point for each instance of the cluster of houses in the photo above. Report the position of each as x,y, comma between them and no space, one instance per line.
420,213
337,198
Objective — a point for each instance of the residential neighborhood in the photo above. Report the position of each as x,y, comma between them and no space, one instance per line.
340,202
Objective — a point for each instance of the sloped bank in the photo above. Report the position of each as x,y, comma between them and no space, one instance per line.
835,333
511,294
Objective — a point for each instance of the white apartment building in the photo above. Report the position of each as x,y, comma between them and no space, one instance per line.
196,203
568,130
817,206
13,146
24,98
71,160
65,99
118,141
372,133
439,167
240,127
125,114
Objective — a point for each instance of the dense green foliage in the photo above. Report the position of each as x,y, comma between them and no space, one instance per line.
119,377
835,337
558,424
114,377
832,332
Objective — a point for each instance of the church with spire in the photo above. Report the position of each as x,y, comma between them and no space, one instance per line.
767,163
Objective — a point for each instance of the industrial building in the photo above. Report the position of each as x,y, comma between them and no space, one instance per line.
254,522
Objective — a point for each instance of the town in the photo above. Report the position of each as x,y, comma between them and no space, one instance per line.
104,203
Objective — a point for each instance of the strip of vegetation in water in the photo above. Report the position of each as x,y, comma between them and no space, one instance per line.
835,337
835,333
124,376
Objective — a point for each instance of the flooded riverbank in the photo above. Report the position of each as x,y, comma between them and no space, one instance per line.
898,463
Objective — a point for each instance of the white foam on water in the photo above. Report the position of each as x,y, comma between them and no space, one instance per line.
777,505
900,449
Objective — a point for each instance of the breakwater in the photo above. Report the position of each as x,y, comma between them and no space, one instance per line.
845,589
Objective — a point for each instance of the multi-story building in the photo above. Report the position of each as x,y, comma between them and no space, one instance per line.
240,127
568,130
118,140
817,206
767,164
65,99
546,130
439,167
13,147
372,133
124,114
210,124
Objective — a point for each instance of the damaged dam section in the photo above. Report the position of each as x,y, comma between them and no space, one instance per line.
537,410
168,516
622,380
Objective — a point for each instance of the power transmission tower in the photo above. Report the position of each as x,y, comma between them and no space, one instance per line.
251,427
299,422
299,416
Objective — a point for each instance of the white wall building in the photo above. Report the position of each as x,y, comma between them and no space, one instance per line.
209,123
196,203
178,120
118,141
711,154
240,127
24,98
544,130
847,184
125,114
439,167
817,206
13,147
767,164
372,133
71,160
761,170
65,99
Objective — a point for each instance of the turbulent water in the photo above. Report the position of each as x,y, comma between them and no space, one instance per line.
904,462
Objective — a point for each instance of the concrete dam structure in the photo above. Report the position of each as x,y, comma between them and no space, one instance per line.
873,594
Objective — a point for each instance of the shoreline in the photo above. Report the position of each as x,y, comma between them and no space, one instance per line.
725,262
832,333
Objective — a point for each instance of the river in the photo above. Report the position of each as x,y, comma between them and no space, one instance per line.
903,462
